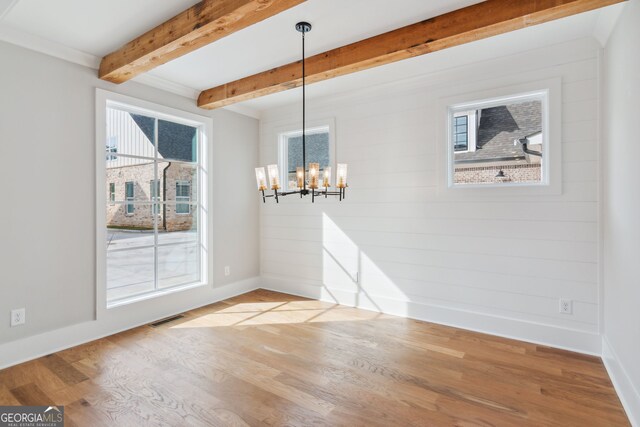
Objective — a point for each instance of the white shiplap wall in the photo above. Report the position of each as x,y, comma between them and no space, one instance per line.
492,262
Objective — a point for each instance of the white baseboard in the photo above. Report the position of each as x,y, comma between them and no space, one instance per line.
32,347
628,394
553,336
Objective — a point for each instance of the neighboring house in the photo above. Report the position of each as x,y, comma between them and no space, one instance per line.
503,140
133,184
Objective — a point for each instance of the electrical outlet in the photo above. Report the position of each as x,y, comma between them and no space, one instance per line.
566,306
18,317
227,270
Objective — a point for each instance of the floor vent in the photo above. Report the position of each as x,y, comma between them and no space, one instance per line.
166,320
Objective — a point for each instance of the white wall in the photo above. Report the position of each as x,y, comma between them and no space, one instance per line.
496,263
47,243
621,208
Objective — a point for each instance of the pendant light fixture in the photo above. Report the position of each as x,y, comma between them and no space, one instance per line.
312,181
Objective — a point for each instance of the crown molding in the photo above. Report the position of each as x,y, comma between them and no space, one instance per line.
166,85
36,43
606,22
244,110
6,6
32,42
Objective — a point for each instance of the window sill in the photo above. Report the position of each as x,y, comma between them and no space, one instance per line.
152,295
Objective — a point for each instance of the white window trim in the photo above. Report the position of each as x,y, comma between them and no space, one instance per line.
286,132
472,128
154,185
205,127
486,96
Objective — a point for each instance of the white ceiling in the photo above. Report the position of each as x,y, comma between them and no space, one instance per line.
92,26
99,27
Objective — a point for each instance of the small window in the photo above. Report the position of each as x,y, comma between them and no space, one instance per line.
183,197
112,148
112,192
499,142
154,191
130,196
460,133
318,150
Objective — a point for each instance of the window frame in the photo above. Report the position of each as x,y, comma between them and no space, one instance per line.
154,188
456,133
129,206
472,130
183,183
466,107
112,193
204,124
488,90
284,133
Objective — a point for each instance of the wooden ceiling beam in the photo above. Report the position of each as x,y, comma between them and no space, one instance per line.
461,26
204,23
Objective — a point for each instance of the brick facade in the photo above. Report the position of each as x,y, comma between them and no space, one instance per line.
487,174
142,175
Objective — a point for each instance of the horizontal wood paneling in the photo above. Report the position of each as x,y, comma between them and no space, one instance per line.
397,236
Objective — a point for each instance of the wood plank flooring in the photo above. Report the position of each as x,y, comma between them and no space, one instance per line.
270,359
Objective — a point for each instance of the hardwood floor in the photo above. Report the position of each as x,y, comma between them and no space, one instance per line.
266,358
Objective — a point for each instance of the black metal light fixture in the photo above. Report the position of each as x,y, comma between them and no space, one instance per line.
311,183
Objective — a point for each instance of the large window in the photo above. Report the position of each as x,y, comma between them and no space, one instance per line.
155,241
319,149
500,141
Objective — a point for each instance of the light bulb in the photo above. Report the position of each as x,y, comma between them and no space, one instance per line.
274,177
300,176
341,175
326,180
314,171
261,179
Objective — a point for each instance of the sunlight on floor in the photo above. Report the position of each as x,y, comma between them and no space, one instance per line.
285,312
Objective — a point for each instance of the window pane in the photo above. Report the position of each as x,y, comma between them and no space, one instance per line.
136,171
131,209
178,265
317,150
177,141
509,144
130,134
174,173
152,176
154,192
130,273
128,237
177,228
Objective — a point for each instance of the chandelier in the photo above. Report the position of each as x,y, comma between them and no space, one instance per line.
307,181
